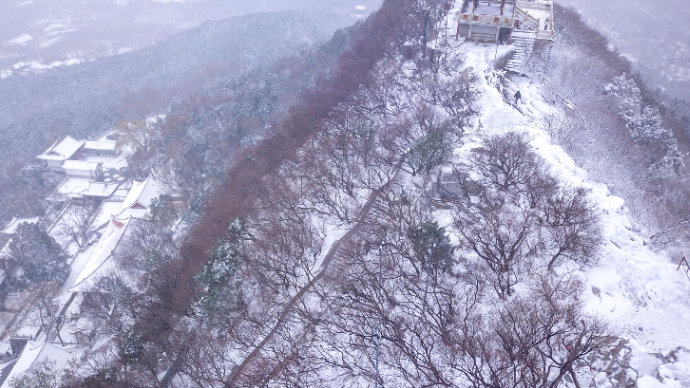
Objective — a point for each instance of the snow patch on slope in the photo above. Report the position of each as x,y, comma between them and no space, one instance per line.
21,40
636,290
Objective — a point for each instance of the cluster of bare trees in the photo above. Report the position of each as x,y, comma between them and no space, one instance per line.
32,257
515,216
322,262
428,316
640,146
398,292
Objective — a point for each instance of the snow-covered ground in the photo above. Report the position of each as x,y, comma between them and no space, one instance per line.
638,291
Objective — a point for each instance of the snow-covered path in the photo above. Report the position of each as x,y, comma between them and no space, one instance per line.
638,291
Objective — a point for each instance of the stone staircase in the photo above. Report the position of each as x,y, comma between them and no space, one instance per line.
524,46
483,37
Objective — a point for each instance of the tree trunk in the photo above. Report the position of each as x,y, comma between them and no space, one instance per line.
574,376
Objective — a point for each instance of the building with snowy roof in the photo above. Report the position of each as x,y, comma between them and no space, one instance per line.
11,228
84,169
80,157
131,212
98,262
100,148
67,149
496,20
140,195
99,190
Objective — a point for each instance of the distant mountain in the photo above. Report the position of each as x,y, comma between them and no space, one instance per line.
39,34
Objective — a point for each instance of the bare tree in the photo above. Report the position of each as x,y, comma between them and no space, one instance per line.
572,226
49,307
75,224
533,340
138,134
45,374
505,238
507,161
516,215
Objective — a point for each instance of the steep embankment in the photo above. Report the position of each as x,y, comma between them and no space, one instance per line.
373,40
637,290
501,262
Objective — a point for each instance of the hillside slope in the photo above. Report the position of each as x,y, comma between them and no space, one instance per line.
91,98
406,222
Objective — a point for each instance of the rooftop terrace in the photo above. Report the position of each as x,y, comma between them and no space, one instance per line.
493,8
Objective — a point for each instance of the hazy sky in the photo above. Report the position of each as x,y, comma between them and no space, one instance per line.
41,33
653,34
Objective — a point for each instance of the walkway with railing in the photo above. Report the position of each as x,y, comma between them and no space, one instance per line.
527,17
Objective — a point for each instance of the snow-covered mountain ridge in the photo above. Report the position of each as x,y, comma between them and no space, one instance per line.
408,222
638,290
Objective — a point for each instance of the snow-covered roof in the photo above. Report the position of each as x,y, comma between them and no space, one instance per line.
487,9
73,186
5,251
62,150
121,193
79,165
105,212
29,355
99,189
100,145
141,194
104,250
12,227
36,352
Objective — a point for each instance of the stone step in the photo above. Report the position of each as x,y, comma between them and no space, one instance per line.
483,36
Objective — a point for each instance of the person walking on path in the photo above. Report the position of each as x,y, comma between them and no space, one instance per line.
518,96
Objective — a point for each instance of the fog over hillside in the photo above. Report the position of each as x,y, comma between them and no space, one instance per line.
42,34
653,34
39,106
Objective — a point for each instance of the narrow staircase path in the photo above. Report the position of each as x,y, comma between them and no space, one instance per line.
524,46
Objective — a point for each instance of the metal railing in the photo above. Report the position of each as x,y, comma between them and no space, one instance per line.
544,34
526,18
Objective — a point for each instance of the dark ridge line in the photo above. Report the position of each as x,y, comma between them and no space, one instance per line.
173,289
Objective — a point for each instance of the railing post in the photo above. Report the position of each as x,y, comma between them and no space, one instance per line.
681,261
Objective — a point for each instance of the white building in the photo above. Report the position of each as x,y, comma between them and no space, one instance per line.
83,169
139,197
496,20
71,156
67,149
100,148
